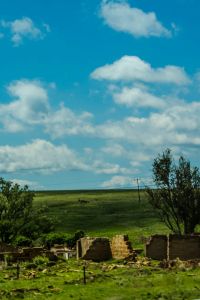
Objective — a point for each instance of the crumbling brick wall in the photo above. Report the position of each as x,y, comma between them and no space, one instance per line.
96,249
100,249
83,245
157,247
121,247
184,247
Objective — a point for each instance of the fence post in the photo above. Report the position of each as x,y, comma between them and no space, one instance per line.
18,270
84,275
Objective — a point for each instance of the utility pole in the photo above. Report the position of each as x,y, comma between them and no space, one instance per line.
138,189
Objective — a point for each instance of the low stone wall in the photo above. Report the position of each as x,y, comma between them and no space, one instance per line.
25,254
156,247
30,253
7,248
121,247
184,247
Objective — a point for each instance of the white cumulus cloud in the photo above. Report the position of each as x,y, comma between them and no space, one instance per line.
65,122
177,125
34,185
138,97
132,68
39,156
29,105
118,181
120,16
101,167
134,155
24,28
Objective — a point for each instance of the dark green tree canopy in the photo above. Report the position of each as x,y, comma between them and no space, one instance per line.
177,193
18,216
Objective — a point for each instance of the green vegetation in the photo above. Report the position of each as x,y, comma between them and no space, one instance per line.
61,238
40,260
18,216
177,193
105,281
103,213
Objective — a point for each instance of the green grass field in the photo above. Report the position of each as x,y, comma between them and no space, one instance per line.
107,281
106,213
103,214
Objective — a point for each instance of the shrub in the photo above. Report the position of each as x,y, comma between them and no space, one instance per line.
51,263
58,238
40,260
22,241
30,266
61,238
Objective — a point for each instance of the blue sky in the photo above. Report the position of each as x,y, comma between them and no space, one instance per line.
92,90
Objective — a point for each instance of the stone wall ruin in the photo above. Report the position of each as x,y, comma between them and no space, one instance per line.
96,249
101,249
121,247
184,247
156,247
170,247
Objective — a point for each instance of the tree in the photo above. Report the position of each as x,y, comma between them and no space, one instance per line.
18,216
177,193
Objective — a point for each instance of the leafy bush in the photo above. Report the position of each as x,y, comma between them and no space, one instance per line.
58,238
22,241
51,263
30,266
61,238
40,260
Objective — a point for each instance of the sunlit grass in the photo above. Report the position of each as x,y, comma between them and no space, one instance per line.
105,214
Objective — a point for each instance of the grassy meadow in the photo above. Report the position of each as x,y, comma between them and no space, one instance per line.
105,213
104,281
102,213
